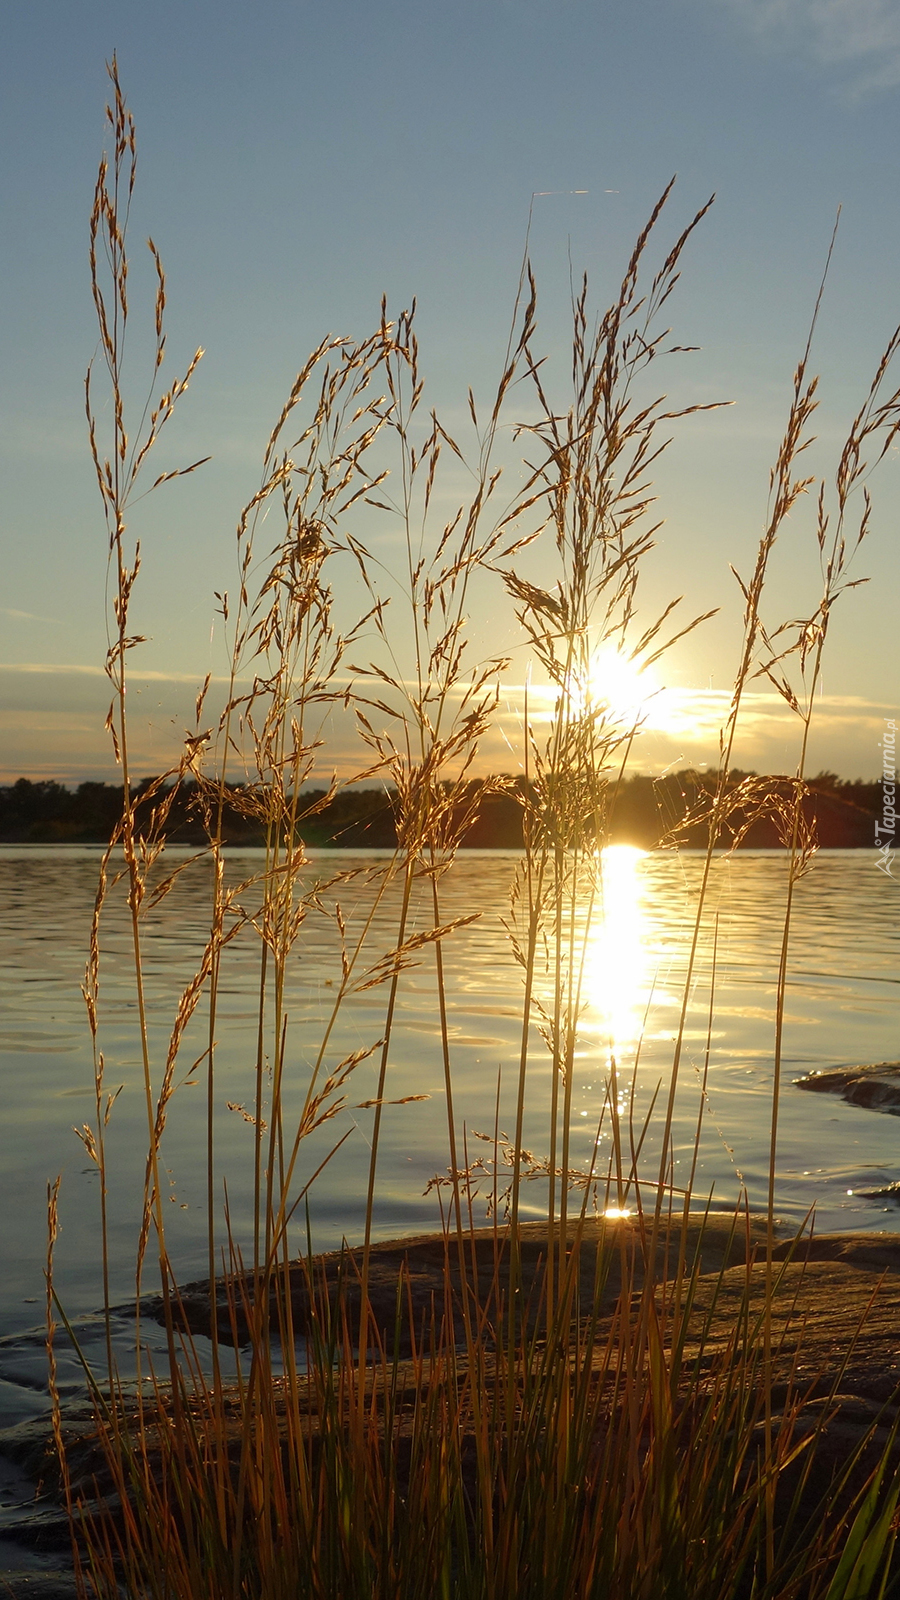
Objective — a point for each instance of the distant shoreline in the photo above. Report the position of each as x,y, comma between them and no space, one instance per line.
642,811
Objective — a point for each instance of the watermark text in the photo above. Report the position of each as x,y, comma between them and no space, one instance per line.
886,829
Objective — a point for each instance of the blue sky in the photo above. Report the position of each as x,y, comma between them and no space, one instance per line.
296,161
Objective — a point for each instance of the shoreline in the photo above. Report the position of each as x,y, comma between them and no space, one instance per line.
836,1360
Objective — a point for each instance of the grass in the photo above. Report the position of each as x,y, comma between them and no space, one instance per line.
567,1420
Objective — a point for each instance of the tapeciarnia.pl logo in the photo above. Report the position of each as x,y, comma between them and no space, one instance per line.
884,847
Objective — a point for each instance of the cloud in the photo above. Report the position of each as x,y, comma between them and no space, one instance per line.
683,725
25,616
52,716
863,35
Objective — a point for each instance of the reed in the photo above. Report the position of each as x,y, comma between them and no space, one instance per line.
572,1425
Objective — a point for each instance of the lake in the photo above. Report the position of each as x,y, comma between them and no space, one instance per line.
841,1008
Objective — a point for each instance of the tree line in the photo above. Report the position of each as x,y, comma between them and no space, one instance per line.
641,811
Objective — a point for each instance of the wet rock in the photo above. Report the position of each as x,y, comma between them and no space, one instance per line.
875,1086
21,1403
25,1584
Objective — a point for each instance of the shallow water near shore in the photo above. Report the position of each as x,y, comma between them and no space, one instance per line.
843,994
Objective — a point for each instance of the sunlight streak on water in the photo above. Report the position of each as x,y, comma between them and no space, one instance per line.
618,976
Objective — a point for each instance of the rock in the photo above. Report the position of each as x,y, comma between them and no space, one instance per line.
875,1086
835,1314
28,1585
891,1191
420,1261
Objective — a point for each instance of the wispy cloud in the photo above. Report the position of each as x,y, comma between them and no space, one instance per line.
68,669
860,35
24,616
52,724
49,666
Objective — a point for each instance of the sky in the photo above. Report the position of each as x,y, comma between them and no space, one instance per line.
296,162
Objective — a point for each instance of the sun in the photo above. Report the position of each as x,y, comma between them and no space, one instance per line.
620,685
624,693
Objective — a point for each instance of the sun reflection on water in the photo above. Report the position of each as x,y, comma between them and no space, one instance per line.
617,957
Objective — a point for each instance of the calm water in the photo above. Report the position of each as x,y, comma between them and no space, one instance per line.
842,1007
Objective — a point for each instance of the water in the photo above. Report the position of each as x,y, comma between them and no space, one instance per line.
841,1007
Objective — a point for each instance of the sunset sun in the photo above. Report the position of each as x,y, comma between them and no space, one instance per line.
619,687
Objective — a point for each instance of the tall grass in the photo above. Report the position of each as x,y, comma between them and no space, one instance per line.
568,1417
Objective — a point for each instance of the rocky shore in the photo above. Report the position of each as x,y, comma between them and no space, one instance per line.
836,1322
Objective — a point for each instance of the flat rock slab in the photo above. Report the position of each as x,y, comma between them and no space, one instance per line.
836,1308
407,1277
835,1320
875,1086
835,1315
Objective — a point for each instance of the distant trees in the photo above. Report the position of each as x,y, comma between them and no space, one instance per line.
642,811
843,811
45,810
